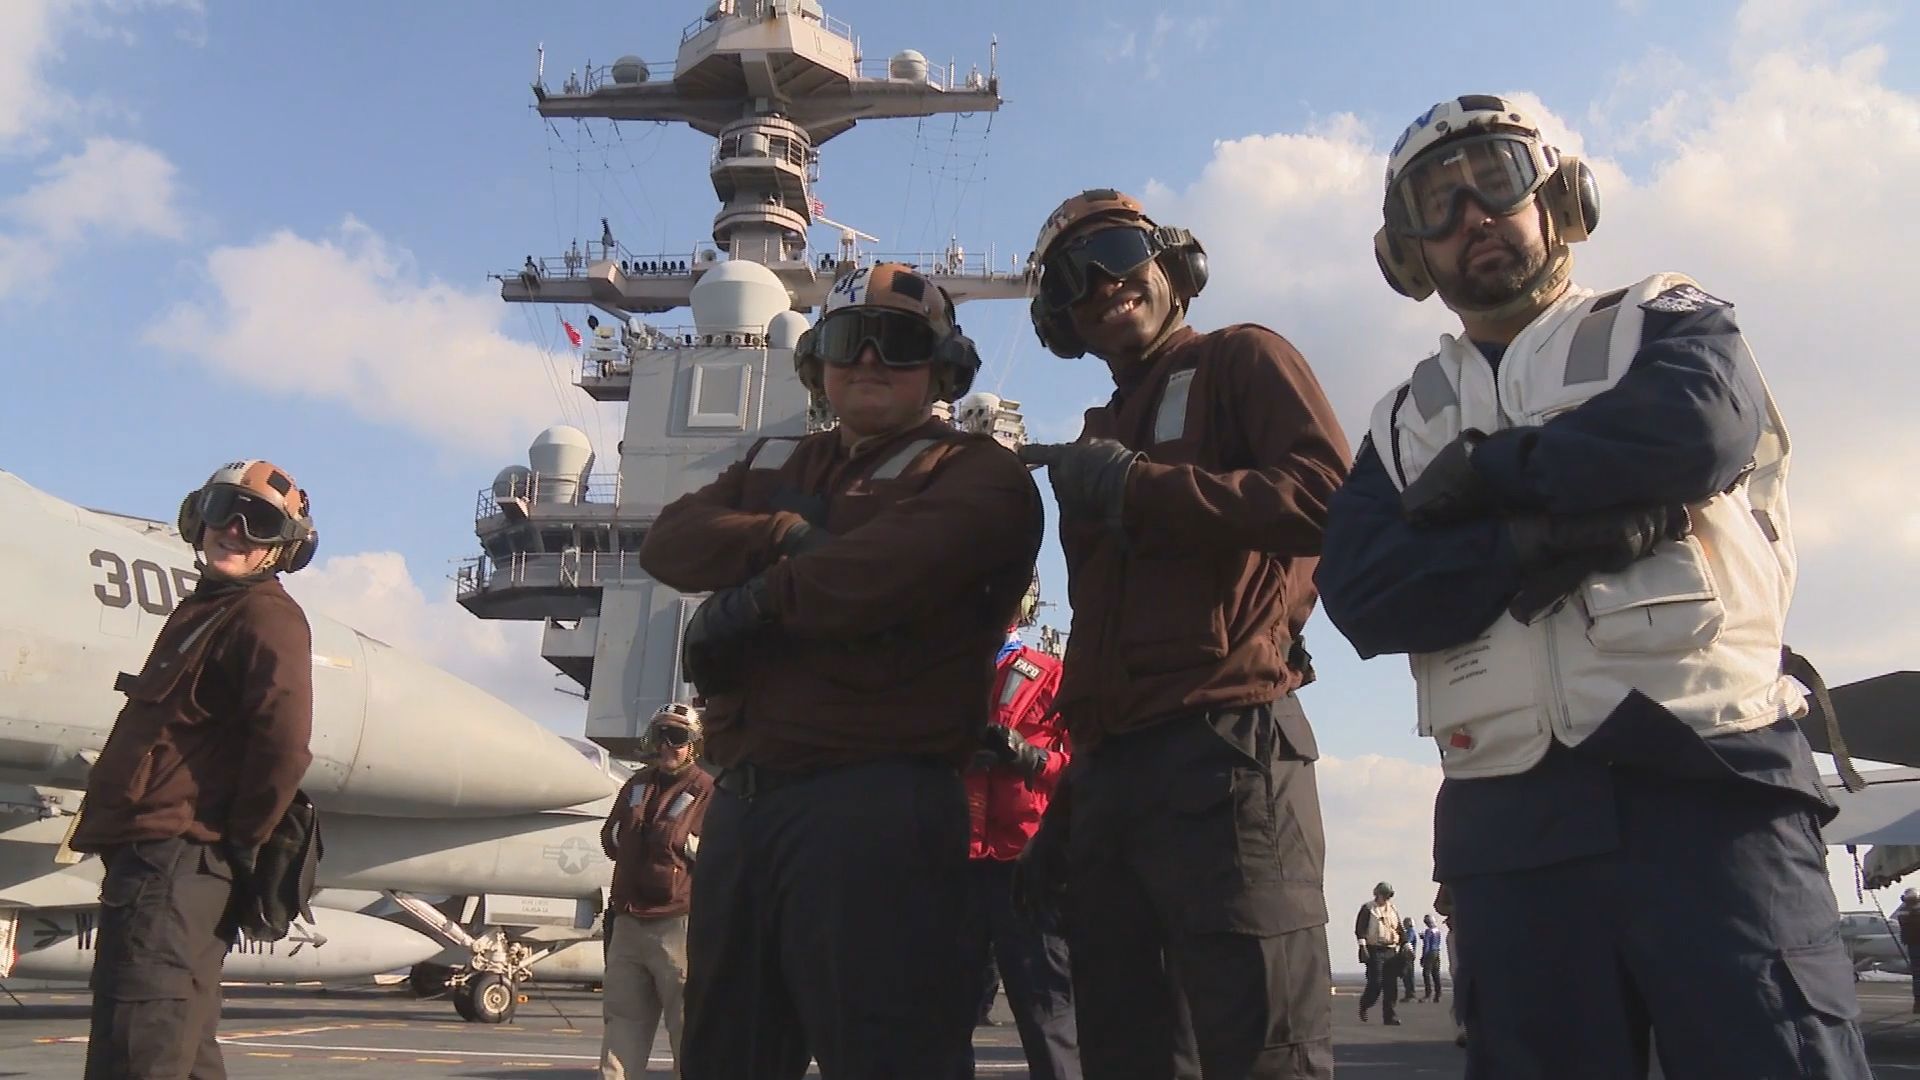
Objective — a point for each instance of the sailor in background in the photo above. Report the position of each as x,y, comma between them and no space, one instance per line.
652,835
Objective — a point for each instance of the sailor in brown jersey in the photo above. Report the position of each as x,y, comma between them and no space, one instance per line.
1186,841
652,835
865,578
198,769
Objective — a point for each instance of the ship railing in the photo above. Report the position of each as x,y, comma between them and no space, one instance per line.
535,489
594,78
939,78
793,153
571,569
723,8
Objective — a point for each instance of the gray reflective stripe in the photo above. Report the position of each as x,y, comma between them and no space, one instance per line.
1592,341
1015,680
1431,390
903,457
1171,421
773,453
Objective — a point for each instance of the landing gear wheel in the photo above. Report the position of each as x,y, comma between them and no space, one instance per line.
489,999
428,980
463,1002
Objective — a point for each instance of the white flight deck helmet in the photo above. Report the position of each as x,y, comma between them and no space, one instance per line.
1484,147
1911,896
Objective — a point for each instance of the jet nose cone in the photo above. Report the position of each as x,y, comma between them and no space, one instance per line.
435,746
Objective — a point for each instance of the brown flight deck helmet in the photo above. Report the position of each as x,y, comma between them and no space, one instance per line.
272,510
890,286
1179,253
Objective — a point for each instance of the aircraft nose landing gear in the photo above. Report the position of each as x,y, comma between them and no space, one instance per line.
486,998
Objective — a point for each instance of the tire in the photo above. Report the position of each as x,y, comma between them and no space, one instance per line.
463,1002
428,980
491,999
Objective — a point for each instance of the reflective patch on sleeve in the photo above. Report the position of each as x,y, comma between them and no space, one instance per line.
1683,298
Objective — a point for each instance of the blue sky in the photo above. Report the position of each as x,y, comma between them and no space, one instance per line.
249,229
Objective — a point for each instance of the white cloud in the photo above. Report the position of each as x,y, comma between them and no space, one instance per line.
349,319
27,41
374,592
112,184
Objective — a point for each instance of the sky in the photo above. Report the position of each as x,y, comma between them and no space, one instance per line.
298,206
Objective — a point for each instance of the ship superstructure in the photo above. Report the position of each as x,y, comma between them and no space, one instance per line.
771,81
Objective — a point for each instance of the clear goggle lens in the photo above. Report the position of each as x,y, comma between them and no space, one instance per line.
1498,171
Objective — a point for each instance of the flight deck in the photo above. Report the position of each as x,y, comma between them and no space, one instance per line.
339,1033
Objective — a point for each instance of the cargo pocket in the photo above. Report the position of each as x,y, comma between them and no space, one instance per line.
1665,603
1822,983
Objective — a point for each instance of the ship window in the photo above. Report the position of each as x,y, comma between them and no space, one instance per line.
717,396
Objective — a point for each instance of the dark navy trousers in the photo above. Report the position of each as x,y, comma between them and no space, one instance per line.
1708,937
1034,968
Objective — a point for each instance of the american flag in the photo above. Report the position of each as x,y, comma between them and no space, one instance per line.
815,206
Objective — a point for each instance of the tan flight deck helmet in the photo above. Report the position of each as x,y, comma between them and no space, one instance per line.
899,288
1484,144
1184,260
238,489
685,717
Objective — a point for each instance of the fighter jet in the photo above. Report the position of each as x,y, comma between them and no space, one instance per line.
427,785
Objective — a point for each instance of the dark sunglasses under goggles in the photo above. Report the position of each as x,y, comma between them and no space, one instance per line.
901,340
260,520
1067,274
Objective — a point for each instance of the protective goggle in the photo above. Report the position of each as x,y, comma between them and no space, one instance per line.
1500,171
670,735
900,339
1067,273
260,520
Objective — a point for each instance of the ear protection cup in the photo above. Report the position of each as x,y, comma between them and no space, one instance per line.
1573,198
806,364
1401,266
1184,260
299,553
958,361
188,519
1055,331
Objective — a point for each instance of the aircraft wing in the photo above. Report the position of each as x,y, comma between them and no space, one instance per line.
1887,812
1880,718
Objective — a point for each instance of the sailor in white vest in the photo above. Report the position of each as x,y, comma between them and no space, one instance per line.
1573,518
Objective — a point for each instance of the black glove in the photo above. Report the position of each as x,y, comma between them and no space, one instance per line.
811,532
1039,884
1010,748
1089,478
1558,551
801,539
241,859
1449,489
713,651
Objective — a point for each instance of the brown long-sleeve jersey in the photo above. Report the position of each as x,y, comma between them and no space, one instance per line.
884,638
1199,602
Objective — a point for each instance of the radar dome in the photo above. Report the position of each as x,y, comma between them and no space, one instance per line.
562,456
908,65
785,330
629,70
514,482
737,296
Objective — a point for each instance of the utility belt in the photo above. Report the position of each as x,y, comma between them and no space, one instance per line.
750,780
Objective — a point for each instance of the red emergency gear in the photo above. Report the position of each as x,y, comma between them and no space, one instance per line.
1003,806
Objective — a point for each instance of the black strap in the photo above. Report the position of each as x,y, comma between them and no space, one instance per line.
1799,667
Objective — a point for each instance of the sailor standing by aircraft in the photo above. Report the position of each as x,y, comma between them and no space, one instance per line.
865,578
1187,838
200,765
652,835
1023,754
1573,518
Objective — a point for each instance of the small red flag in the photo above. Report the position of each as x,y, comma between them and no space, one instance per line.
572,334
